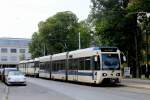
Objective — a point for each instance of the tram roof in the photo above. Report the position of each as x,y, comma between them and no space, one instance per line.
45,58
36,59
59,56
23,61
90,51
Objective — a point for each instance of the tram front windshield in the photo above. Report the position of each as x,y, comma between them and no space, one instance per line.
110,62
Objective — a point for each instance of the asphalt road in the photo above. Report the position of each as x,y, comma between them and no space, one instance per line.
40,89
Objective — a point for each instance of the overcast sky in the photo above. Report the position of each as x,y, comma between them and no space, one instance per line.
19,18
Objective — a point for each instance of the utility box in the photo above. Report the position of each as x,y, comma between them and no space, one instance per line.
127,72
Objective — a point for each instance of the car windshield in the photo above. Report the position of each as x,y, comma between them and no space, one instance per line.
110,61
16,73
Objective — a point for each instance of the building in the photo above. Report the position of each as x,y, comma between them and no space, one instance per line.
12,50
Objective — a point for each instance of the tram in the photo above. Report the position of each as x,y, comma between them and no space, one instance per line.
30,67
90,65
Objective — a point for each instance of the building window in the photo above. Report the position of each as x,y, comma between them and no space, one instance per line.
3,50
3,58
22,50
13,58
13,50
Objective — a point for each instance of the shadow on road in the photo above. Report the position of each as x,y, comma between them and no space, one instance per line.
93,85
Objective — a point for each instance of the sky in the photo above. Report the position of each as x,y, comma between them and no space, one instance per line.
20,18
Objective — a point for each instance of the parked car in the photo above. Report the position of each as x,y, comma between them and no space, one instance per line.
15,77
5,72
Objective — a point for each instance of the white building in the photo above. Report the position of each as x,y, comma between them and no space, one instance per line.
12,50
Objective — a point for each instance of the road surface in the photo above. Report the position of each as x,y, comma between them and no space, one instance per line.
40,89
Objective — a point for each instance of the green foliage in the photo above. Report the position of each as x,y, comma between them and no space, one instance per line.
139,6
115,23
107,14
85,32
36,48
59,33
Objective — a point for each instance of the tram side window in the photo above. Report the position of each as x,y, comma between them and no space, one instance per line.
62,65
81,64
36,64
58,66
29,65
47,67
71,64
87,63
53,66
75,64
42,66
32,65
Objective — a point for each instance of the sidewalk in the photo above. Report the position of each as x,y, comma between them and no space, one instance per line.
2,91
137,83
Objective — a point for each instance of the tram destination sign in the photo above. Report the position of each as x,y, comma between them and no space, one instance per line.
109,49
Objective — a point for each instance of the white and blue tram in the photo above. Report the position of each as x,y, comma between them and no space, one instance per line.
30,67
90,65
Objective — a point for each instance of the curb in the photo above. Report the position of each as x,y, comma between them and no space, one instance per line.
141,86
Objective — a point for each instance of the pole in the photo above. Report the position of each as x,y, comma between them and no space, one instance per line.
79,41
136,55
44,52
146,52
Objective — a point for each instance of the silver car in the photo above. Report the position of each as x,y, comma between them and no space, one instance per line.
15,77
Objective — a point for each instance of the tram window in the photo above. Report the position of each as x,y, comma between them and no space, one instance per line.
47,67
87,63
36,65
32,65
29,65
57,66
76,63
70,64
81,64
41,65
53,66
62,65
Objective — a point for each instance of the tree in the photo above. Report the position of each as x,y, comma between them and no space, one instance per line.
86,34
116,24
106,16
138,6
59,32
36,46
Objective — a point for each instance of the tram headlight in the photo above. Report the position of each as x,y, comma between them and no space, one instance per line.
104,74
118,74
